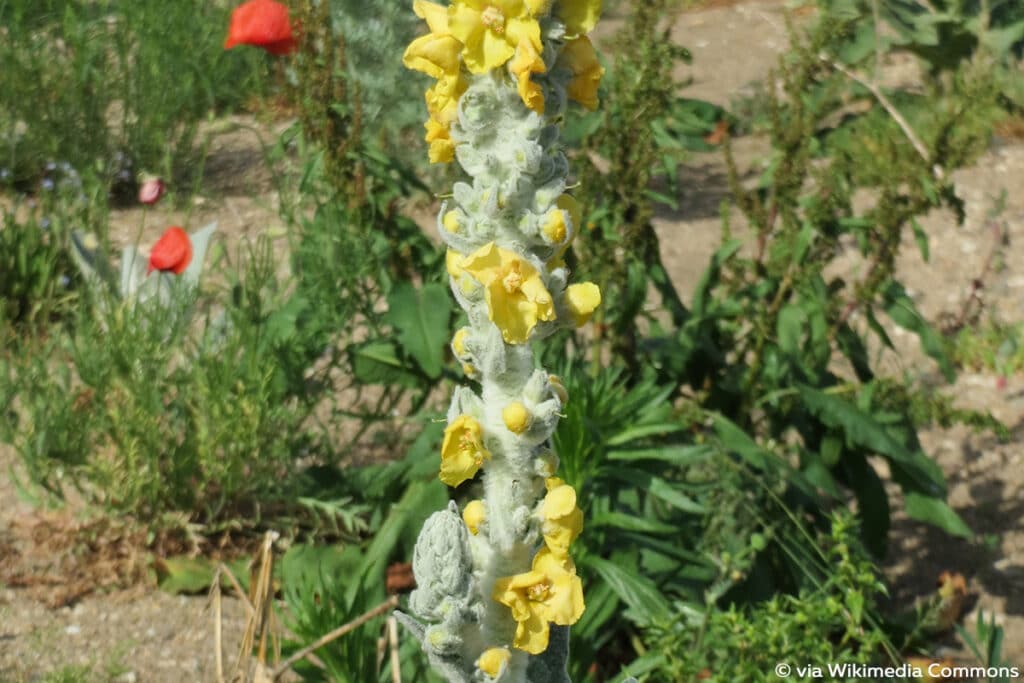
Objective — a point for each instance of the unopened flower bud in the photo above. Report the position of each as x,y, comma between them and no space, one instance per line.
473,515
451,221
459,342
151,190
516,417
493,661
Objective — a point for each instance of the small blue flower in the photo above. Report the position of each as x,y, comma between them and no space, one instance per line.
44,223
5,173
64,281
47,184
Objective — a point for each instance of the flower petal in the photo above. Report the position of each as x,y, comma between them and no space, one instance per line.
172,252
262,23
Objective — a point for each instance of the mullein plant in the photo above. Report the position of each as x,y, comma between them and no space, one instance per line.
496,586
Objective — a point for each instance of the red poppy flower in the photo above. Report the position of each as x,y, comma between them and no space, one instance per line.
263,23
172,252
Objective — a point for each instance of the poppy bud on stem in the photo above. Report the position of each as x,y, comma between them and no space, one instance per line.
496,584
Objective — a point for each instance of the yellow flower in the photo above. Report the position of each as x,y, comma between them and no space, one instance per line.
442,149
493,661
579,57
453,263
434,14
462,451
582,299
473,515
563,520
580,16
443,98
490,30
436,53
554,226
516,296
516,416
568,203
549,593
528,61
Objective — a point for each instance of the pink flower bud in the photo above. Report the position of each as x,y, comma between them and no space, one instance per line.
151,191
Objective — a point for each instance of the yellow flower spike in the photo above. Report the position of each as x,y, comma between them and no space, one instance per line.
459,341
526,62
563,520
517,418
442,149
549,593
517,298
462,451
554,226
579,57
469,370
490,30
555,382
581,300
580,16
538,8
473,515
493,661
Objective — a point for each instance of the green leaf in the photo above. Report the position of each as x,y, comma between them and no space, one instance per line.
735,439
790,328
652,661
676,455
192,575
831,449
640,431
642,596
921,237
702,294
872,502
936,511
862,429
377,362
626,522
421,319
904,313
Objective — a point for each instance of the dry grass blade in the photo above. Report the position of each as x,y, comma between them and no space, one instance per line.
396,664
218,635
261,595
389,604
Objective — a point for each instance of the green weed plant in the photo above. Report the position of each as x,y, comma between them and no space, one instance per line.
112,88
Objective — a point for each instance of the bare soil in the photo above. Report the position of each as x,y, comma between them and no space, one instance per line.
62,600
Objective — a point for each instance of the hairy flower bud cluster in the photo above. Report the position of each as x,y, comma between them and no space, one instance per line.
497,587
